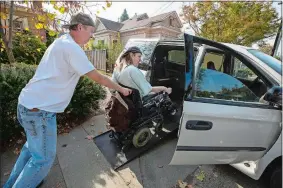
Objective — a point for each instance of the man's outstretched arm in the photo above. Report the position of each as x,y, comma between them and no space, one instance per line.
105,81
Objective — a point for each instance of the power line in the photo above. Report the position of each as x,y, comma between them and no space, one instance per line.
163,7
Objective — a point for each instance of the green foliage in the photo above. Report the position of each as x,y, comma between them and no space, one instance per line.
232,22
27,48
100,46
84,101
265,48
115,51
124,16
14,77
12,80
50,38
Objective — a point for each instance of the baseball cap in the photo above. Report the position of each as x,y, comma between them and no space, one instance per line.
80,18
132,49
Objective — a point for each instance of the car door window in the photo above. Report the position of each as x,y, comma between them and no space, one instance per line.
213,61
217,85
241,71
244,74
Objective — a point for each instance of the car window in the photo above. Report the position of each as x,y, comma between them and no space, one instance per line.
213,61
177,56
146,47
241,71
218,85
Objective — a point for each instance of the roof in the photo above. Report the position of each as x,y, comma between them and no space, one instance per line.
111,25
135,23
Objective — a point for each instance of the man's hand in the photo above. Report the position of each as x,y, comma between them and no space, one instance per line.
125,91
169,90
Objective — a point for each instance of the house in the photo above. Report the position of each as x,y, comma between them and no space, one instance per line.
23,18
167,25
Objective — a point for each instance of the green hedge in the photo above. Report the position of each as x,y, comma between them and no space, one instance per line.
14,77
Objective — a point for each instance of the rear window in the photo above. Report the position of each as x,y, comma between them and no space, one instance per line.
146,47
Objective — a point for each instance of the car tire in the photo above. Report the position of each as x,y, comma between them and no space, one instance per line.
276,178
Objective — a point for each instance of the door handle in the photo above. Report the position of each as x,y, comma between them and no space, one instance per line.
198,125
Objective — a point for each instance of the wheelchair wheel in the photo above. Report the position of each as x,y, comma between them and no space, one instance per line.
142,137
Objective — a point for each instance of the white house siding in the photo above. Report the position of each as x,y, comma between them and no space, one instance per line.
104,37
100,27
134,34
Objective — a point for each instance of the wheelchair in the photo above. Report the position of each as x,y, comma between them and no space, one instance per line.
149,114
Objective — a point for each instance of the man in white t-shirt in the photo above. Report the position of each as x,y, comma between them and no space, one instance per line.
49,92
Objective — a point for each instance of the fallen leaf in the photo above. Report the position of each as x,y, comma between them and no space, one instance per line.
201,176
89,137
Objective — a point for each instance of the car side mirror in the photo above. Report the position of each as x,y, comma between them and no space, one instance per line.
274,96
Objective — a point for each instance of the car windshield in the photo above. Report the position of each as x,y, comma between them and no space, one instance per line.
268,60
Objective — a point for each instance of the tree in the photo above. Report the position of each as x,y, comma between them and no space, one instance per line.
114,50
44,20
232,22
265,47
124,16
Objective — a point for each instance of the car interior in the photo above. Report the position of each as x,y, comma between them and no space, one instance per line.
169,70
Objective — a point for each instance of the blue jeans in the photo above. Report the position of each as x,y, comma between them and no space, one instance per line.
39,151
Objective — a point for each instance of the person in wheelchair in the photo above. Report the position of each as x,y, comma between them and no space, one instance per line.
126,72
154,100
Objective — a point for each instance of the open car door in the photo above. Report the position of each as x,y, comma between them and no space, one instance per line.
223,121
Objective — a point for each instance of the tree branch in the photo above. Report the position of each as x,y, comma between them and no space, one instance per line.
11,24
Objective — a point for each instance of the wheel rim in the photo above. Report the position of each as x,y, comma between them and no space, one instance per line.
141,137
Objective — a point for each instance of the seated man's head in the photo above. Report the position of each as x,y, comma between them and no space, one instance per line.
132,56
210,65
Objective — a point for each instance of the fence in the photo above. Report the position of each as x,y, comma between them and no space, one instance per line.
98,59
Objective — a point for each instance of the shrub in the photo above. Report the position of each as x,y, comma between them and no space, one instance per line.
27,48
14,77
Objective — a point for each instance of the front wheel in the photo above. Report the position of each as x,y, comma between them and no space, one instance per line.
276,178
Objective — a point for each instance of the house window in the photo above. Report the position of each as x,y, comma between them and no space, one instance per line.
171,22
101,42
18,25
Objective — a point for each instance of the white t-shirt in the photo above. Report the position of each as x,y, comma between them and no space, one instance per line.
56,77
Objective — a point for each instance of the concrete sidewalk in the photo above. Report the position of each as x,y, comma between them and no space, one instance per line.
80,163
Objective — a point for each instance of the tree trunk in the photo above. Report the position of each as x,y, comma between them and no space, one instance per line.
9,51
8,42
